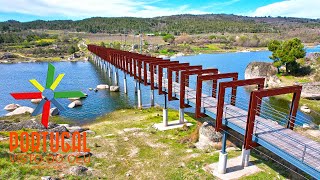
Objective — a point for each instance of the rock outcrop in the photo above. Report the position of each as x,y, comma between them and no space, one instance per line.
78,170
103,86
11,107
263,70
208,136
36,101
305,109
75,104
54,112
311,91
28,124
20,110
114,88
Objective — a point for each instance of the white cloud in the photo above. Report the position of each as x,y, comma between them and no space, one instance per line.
89,8
291,8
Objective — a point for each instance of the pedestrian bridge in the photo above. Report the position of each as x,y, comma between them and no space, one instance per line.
258,129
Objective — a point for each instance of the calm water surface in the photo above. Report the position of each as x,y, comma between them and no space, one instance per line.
84,75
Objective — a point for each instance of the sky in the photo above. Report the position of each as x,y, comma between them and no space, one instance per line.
29,10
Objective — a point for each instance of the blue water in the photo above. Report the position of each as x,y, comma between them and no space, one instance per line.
84,75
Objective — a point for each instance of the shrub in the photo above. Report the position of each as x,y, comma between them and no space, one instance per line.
169,38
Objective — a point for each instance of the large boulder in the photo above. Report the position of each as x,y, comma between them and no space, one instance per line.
114,88
36,101
208,136
103,86
313,132
311,91
11,107
54,112
20,110
263,70
134,46
75,104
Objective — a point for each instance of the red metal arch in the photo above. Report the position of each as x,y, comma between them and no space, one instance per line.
177,69
185,82
202,78
160,73
233,84
258,95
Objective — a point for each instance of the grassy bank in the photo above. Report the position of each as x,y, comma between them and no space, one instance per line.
125,146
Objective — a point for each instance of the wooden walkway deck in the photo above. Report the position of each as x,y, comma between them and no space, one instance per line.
285,140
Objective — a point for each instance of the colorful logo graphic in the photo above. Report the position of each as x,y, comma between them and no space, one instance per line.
47,95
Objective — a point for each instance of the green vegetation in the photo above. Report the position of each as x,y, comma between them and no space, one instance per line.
169,38
38,45
191,24
72,49
287,53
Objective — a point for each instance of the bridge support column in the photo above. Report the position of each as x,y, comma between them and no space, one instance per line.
107,67
125,83
116,77
223,156
181,115
135,86
152,98
139,96
245,155
165,111
110,70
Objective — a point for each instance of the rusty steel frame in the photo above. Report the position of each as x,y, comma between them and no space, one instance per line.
145,70
160,74
185,77
153,66
233,84
177,70
215,77
255,96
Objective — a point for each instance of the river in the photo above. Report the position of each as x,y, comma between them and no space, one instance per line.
84,75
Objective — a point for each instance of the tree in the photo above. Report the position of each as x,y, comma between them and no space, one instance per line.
286,53
102,44
72,49
168,38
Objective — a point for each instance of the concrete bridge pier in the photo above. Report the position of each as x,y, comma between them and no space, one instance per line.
165,111
110,71
135,86
245,155
223,156
181,115
107,67
139,96
99,62
152,98
92,57
103,66
125,87
116,77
